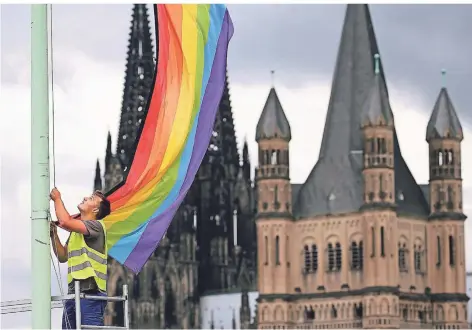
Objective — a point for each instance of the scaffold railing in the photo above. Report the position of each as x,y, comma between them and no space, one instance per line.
24,305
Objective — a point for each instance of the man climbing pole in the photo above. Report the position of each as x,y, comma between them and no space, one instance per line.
86,254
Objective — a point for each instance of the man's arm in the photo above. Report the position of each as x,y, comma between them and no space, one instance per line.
59,250
65,220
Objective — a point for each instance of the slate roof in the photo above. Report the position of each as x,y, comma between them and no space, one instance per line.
444,122
376,107
273,123
335,183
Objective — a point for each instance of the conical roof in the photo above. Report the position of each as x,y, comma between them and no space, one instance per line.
273,123
376,109
444,122
335,184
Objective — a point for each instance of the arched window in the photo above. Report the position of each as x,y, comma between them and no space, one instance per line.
277,250
306,254
273,158
382,241
418,257
438,250
372,235
452,251
314,258
355,261
402,257
331,257
361,254
440,158
338,256
266,249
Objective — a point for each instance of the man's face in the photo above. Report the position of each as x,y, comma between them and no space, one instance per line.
90,204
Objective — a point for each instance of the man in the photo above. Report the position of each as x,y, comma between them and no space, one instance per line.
86,255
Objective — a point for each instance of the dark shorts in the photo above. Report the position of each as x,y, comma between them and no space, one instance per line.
91,312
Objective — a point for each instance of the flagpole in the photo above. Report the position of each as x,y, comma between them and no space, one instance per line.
40,246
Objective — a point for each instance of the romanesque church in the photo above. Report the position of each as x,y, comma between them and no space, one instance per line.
360,244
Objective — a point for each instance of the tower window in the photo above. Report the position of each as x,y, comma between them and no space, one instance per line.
372,145
402,257
452,251
266,249
382,242
277,250
440,158
372,234
273,157
287,249
438,246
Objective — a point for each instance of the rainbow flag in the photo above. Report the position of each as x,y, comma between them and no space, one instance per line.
191,72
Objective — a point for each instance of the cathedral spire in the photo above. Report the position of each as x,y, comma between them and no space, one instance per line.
246,166
138,82
334,184
98,178
108,153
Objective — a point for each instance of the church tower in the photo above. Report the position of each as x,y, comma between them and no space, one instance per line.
138,82
444,135
380,219
274,205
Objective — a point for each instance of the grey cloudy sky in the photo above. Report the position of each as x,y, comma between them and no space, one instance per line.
298,41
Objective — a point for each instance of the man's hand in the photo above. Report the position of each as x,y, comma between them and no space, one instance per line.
55,194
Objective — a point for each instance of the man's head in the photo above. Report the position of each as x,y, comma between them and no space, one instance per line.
96,206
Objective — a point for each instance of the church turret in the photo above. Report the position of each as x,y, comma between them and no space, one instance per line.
274,196
444,135
97,184
377,125
245,311
379,186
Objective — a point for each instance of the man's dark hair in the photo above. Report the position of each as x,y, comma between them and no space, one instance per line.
104,208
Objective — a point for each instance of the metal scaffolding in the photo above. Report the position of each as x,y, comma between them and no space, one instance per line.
25,305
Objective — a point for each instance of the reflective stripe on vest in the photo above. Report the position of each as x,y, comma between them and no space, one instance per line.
84,262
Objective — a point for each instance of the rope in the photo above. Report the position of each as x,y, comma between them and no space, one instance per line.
52,98
57,270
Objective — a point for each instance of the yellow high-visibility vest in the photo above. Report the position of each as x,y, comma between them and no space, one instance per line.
84,262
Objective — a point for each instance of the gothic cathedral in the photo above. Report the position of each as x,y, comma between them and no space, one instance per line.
360,244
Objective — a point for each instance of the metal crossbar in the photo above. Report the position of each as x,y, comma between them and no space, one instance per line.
19,306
